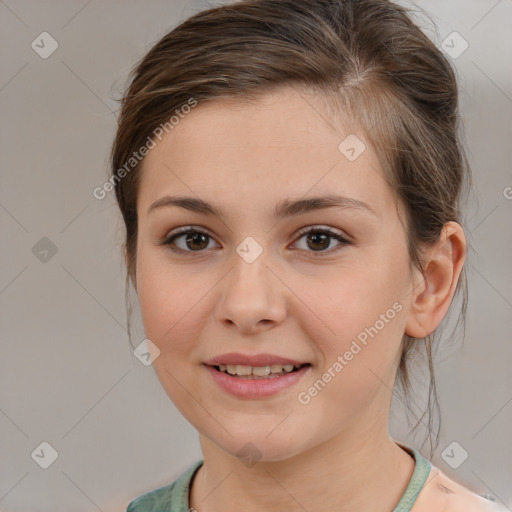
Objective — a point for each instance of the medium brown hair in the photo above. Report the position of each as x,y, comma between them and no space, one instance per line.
367,58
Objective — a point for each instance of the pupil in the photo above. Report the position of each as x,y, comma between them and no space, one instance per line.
320,238
197,238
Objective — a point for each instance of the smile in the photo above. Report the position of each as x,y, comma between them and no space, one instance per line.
254,382
257,372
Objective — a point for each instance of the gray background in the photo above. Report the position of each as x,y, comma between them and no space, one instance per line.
68,375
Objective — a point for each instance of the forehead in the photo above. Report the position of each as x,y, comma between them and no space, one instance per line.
282,144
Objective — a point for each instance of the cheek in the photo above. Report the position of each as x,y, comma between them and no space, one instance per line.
358,315
351,300
172,310
358,360
169,301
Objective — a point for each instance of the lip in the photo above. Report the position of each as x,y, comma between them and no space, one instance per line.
256,388
252,360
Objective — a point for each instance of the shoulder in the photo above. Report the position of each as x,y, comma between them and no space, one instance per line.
169,498
442,494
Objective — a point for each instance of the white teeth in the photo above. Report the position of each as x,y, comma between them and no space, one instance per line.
243,370
258,371
261,371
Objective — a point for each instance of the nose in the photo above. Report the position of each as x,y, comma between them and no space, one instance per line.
252,297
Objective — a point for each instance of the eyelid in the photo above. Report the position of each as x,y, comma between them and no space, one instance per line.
176,233
185,229
325,229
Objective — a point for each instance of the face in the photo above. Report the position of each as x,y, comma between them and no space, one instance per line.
259,281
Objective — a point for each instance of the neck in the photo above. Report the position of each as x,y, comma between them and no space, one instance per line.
353,471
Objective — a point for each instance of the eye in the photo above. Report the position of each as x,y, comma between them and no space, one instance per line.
194,240
319,239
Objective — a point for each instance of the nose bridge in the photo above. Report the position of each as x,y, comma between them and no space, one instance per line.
251,296
250,273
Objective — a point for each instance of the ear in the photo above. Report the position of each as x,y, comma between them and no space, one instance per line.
434,290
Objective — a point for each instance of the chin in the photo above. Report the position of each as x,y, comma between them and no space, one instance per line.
259,448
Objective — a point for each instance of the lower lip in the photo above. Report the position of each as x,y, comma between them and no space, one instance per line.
256,388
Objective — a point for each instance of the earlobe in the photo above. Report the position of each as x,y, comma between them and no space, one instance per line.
431,298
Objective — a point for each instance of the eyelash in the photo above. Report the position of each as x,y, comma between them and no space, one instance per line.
310,229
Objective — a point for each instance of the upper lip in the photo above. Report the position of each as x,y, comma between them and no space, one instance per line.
255,360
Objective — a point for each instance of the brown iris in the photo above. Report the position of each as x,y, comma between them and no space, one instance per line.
201,239
318,238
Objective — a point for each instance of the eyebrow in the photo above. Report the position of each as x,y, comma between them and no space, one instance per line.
285,208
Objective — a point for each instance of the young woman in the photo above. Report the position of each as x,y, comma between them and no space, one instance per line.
289,174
